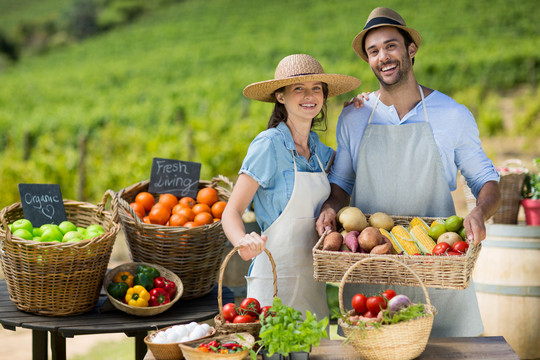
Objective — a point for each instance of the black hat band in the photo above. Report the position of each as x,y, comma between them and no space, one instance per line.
381,20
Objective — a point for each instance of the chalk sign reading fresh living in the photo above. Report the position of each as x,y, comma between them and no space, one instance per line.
42,203
180,178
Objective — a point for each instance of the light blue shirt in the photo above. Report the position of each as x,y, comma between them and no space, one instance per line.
454,129
269,161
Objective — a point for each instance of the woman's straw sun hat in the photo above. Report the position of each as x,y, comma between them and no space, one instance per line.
297,68
379,17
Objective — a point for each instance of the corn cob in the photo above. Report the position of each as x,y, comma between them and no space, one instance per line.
418,221
395,244
422,239
404,238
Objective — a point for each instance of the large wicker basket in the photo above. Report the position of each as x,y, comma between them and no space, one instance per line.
512,174
230,328
58,279
194,254
450,272
403,340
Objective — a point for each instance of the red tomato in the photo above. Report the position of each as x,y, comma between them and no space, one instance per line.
242,319
229,312
359,303
388,294
370,314
265,310
250,306
376,304
452,253
440,248
460,247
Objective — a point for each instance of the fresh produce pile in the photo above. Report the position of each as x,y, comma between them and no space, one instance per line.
169,210
181,333
218,347
379,235
144,288
382,309
66,231
249,311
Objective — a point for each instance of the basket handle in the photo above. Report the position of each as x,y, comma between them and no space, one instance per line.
125,205
221,178
342,309
101,205
224,265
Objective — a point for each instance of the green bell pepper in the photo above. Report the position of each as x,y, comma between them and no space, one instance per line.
118,290
144,279
153,272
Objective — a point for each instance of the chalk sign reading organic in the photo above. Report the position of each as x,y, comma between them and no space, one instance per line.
42,203
180,178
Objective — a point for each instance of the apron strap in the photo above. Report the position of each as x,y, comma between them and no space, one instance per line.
423,105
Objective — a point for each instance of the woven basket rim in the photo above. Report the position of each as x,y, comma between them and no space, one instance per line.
190,352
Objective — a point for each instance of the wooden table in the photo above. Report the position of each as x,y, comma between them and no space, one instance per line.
101,322
494,347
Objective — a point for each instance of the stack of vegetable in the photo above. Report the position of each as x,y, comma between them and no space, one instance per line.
144,288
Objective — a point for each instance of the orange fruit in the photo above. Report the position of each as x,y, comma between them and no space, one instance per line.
203,218
190,224
146,199
176,208
138,208
146,220
177,220
199,208
187,201
159,215
187,213
207,196
217,209
168,199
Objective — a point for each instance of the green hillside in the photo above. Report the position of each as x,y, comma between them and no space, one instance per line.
170,84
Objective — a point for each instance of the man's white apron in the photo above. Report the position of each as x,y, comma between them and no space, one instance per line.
290,241
400,172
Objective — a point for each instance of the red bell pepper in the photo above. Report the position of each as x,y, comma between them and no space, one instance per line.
168,285
158,296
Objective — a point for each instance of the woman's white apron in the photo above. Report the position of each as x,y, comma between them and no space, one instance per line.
400,172
290,241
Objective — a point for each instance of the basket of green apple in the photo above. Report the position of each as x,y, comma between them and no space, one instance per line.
57,270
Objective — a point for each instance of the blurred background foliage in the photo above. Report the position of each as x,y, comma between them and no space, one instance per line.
92,90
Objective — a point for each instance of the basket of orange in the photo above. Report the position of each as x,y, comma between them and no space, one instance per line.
182,234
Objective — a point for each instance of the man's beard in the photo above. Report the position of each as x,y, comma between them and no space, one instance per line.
401,77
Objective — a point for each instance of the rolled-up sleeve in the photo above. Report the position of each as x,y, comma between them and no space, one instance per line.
260,162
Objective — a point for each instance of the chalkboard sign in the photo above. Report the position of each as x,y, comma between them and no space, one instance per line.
42,203
180,178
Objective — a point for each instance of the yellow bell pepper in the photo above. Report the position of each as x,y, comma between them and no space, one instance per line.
124,276
137,296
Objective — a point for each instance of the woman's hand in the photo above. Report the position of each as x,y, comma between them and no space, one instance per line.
252,244
358,100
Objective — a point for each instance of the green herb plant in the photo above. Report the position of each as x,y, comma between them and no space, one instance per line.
531,183
284,331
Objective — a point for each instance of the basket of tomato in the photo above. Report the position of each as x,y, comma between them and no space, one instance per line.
223,346
183,234
243,318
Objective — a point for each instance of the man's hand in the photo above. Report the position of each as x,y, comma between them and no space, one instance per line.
326,221
358,100
488,202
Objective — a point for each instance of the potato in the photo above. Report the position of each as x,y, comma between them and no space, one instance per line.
385,248
353,218
369,238
381,220
449,237
332,241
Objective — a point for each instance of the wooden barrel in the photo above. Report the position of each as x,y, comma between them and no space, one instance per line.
507,280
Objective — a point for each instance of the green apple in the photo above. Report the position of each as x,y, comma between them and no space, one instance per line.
23,234
91,234
48,226
67,226
22,224
72,236
37,238
37,232
51,234
95,228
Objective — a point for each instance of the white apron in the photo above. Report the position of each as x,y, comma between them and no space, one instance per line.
290,241
400,172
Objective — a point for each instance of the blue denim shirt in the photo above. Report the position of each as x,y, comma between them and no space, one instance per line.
269,161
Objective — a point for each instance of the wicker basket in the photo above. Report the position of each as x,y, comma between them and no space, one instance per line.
230,328
403,340
194,254
58,279
510,186
171,351
191,353
143,311
446,272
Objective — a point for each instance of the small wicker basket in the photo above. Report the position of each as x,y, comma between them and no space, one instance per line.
170,351
229,328
143,311
194,254
403,340
510,186
191,353
445,272
56,278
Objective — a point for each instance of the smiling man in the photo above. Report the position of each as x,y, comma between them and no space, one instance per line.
400,152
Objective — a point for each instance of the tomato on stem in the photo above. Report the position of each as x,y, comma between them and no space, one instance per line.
440,248
250,306
242,319
229,312
376,304
359,303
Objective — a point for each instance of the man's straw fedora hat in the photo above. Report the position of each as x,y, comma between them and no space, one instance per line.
297,68
382,16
